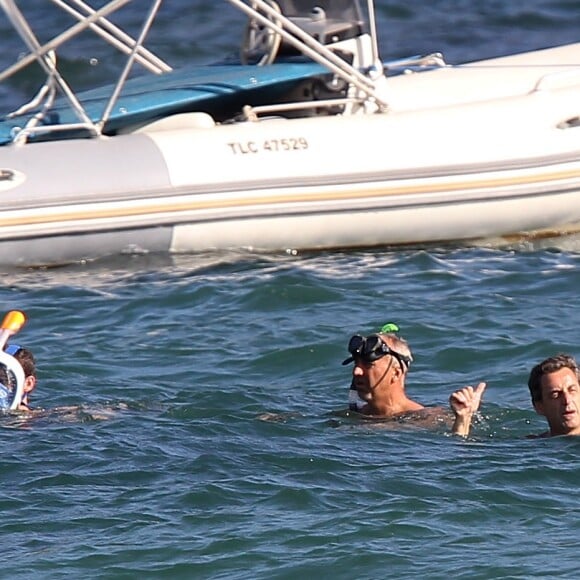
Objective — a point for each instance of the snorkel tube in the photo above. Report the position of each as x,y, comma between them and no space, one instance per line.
11,324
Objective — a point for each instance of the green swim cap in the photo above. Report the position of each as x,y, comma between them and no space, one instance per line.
389,327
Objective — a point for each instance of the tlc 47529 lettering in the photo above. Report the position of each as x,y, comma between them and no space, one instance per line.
269,145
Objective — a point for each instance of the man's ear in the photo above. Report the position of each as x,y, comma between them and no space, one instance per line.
539,407
29,383
397,371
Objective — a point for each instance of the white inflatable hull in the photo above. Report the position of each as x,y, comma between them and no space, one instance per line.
456,158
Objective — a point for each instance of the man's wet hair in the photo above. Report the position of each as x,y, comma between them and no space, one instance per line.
26,360
546,367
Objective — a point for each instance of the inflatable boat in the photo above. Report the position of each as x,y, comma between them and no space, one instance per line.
308,140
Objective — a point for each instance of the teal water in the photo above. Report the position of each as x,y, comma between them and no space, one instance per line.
194,423
205,438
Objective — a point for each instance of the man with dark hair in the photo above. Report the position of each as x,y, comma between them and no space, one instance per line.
28,364
555,391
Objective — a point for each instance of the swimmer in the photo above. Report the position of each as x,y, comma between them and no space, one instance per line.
381,363
555,392
28,364
23,374
12,376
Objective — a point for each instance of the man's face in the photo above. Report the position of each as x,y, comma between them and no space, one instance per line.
560,402
370,376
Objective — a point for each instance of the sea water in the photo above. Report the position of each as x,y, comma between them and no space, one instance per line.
191,410
194,422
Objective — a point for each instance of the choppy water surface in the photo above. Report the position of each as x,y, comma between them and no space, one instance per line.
193,423
204,435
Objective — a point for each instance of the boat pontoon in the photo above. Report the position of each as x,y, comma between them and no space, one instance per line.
307,140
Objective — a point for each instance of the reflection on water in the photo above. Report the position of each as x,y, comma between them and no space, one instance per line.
38,418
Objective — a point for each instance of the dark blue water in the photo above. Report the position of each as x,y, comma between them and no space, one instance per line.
193,423
202,434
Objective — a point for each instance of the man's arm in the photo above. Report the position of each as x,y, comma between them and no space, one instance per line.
464,403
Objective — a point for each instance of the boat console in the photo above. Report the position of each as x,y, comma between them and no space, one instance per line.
326,21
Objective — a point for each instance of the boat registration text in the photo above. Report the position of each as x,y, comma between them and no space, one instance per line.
270,145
